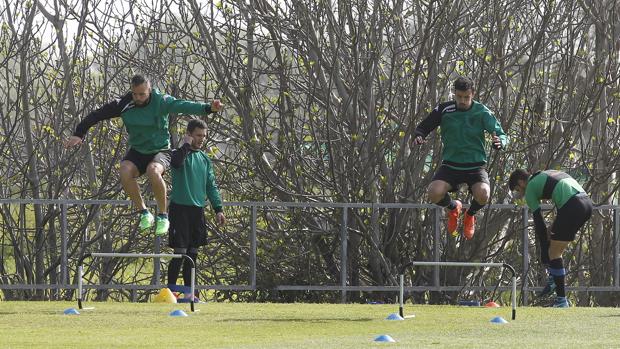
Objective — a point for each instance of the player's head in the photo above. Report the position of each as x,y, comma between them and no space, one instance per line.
197,129
140,90
463,92
518,182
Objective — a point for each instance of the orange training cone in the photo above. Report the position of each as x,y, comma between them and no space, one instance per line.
492,304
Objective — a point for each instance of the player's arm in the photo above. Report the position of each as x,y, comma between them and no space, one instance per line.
539,223
107,111
178,155
498,136
431,122
213,194
179,106
533,202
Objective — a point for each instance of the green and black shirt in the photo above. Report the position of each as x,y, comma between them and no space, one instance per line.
147,126
556,186
462,133
193,179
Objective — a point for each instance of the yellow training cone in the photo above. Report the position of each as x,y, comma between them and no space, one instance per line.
165,296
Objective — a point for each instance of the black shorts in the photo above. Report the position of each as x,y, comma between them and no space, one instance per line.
143,160
571,217
187,226
458,177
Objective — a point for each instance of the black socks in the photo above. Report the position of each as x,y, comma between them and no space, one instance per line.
474,207
174,267
187,268
447,202
556,269
450,204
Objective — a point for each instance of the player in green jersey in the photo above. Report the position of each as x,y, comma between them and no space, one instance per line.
193,181
574,208
144,111
463,123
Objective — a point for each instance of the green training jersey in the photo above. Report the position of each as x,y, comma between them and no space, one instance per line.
193,179
550,184
463,133
147,126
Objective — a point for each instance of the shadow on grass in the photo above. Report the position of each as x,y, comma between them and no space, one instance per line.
38,312
319,320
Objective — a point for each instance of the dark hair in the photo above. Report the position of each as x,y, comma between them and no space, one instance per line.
463,83
138,79
515,176
194,124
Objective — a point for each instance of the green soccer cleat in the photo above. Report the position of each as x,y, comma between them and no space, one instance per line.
146,220
162,225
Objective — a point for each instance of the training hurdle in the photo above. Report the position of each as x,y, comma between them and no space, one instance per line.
134,255
457,264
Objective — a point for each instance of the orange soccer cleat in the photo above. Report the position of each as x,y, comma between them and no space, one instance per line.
469,223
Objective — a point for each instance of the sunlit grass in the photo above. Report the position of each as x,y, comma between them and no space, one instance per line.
243,325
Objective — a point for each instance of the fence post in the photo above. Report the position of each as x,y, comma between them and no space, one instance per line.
253,248
616,247
526,253
436,239
343,254
63,247
157,261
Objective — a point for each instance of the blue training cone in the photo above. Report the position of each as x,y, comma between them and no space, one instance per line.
499,320
178,313
71,311
385,338
394,316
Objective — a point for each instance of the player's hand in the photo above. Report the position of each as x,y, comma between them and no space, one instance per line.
217,105
188,139
497,143
220,219
418,140
73,141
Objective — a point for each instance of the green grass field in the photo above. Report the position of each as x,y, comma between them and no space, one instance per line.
242,325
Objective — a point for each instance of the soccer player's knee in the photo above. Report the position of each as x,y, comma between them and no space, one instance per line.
127,170
482,196
483,199
435,194
154,170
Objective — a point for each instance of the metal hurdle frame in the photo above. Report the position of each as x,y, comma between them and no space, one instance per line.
458,264
134,255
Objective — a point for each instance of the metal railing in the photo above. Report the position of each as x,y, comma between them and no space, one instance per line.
136,255
513,278
343,287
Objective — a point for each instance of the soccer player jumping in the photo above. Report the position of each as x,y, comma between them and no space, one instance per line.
463,124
